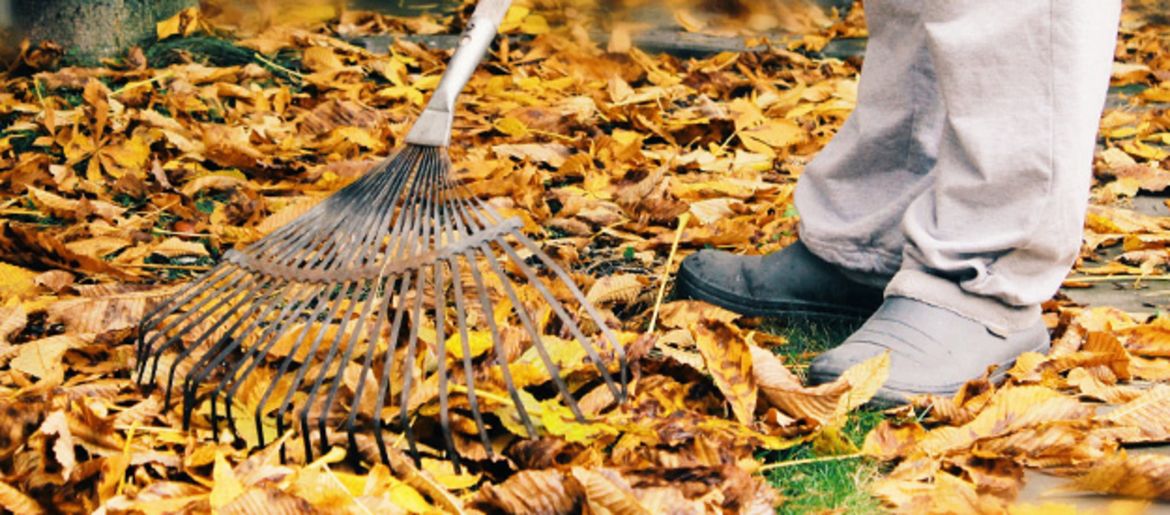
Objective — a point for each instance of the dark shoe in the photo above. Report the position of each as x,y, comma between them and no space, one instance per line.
790,282
932,350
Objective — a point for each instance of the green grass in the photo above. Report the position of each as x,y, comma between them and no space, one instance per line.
824,485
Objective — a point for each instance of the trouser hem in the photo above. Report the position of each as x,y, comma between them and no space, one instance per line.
998,317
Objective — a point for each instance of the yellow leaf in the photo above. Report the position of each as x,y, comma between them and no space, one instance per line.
478,342
729,360
865,378
183,24
444,472
17,282
512,127
227,487
534,24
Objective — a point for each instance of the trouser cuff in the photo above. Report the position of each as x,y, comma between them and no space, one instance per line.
1000,318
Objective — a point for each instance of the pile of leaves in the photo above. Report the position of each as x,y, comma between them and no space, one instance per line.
119,182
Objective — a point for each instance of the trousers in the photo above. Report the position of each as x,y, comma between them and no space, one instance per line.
962,176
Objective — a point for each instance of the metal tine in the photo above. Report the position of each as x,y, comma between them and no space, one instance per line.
385,385
623,365
369,287
254,355
427,211
469,377
461,324
429,236
395,329
224,354
485,302
178,335
379,225
322,209
331,251
442,240
272,333
314,315
371,234
410,240
199,287
227,344
303,368
557,307
147,348
522,313
372,339
324,368
572,286
366,362
501,357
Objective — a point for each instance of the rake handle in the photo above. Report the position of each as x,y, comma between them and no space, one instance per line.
433,127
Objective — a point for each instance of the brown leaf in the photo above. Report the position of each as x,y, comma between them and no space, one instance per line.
532,492
606,491
1146,476
1149,414
889,441
729,360
16,501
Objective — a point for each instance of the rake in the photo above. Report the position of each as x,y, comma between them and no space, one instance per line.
357,294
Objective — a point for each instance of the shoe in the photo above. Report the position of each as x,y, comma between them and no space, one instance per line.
932,350
790,283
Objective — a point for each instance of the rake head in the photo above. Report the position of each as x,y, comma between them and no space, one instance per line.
397,295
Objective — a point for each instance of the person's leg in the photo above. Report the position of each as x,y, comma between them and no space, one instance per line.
851,197
1022,84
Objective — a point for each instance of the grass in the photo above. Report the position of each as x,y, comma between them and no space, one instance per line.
834,485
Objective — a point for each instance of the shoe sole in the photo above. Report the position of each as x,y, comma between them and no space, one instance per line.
689,286
887,398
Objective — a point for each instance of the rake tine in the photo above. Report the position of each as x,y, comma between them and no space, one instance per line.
148,344
522,313
572,286
303,369
288,359
461,323
253,357
442,237
571,324
213,355
388,365
408,377
341,365
178,337
367,361
190,290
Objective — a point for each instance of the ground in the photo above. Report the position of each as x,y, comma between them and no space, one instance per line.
119,184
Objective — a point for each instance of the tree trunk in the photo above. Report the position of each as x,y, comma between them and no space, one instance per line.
91,29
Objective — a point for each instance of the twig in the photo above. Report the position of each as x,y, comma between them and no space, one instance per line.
682,224
806,461
1111,278
199,268
180,233
140,83
260,57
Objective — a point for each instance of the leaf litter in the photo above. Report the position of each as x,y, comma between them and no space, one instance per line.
118,183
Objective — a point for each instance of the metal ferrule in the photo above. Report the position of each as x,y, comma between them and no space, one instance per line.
433,127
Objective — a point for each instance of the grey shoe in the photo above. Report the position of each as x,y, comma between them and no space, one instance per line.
932,350
787,283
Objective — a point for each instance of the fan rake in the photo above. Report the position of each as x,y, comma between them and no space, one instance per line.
356,295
